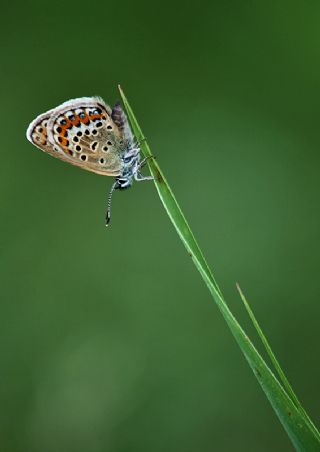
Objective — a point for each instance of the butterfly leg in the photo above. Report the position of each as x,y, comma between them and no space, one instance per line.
142,140
108,214
139,177
137,174
144,161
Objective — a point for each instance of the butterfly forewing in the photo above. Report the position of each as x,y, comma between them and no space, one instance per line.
120,119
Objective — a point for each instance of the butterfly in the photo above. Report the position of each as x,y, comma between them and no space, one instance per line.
87,133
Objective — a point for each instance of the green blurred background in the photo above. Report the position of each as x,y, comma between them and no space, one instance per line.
109,338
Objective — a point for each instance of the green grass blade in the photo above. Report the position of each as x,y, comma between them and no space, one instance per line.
299,431
275,362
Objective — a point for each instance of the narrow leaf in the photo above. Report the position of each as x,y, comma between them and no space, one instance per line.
299,431
276,364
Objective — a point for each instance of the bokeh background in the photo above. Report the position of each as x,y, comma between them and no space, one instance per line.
109,338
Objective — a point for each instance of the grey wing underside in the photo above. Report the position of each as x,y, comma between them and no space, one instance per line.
120,119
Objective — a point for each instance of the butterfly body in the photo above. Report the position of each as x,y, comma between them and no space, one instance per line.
87,133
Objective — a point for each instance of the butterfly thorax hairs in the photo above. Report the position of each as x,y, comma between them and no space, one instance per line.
87,133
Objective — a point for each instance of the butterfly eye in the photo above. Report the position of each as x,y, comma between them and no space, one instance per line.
83,157
72,117
97,111
63,122
82,115
101,161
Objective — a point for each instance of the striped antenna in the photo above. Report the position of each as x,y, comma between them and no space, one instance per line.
108,214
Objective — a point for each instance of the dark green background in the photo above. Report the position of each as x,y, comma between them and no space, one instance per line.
109,338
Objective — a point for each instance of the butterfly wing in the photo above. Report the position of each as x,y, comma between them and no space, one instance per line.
83,133
37,134
120,119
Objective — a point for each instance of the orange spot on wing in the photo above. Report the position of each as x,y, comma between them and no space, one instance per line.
96,116
76,121
85,120
99,116
65,127
68,125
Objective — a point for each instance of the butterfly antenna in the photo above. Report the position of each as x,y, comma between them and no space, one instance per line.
108,214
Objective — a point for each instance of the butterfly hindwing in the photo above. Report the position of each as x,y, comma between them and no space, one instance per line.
82,132
37,134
